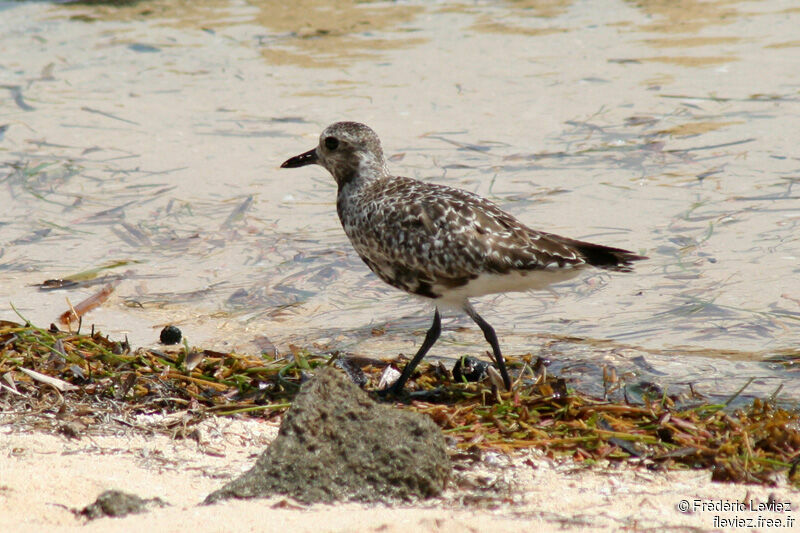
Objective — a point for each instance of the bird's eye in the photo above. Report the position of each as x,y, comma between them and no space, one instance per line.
331,143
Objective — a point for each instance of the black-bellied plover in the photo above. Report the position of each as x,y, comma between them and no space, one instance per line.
438,242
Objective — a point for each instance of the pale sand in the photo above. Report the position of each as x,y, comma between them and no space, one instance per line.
42,475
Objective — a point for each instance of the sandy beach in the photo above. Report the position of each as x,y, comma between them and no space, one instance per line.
44,476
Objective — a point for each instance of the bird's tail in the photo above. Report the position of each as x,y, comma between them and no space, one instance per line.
605,257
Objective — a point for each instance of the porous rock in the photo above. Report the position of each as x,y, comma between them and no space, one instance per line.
337,444
117,503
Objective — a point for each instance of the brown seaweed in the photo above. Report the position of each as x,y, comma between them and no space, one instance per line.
110,383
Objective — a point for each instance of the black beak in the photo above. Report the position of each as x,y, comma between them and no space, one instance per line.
308,158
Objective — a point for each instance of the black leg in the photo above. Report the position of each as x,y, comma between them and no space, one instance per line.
488,332
430,339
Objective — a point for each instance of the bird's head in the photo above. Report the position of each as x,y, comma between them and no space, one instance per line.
349,150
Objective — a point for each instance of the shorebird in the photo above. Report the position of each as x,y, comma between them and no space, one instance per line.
442,243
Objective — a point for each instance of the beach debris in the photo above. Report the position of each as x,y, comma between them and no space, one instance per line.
170,335
193,359
9,384
96,300
389,375
87,278
116,503
265,345
337,444
59,384
736,437
469,369
52,284
352,370
495,378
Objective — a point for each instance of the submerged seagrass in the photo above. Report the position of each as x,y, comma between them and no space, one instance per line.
335,443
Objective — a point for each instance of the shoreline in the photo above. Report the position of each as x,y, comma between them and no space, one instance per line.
47,474
143,421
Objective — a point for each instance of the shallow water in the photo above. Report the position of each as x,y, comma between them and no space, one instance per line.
153,133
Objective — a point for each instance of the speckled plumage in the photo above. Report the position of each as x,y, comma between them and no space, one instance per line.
439,242
435,241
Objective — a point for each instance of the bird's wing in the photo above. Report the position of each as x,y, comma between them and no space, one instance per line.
444,233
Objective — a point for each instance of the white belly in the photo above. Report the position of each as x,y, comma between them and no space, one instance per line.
514,281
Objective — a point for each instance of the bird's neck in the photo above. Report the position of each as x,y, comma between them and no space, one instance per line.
353,194
368,171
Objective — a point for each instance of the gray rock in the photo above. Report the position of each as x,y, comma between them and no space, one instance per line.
117,503
335,443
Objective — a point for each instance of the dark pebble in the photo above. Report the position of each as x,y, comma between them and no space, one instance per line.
170,335
469,369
